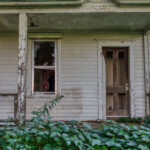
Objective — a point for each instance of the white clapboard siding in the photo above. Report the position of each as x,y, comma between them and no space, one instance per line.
8,63
139,77
79,78
8,74
79,58
6,107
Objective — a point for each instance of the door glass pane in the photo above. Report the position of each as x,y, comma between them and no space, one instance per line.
110,102
44,53
109,68
44,80
121,101
121,68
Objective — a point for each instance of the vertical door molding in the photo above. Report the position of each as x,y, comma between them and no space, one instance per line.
59,56
29,83
131,80
102,75
146,72
101,83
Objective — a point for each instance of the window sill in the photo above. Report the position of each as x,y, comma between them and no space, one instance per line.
43,95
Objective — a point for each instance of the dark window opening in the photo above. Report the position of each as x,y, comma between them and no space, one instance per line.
44,80
109,54
44,66
44,54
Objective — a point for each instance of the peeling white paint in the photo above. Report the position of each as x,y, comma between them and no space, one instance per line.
22,66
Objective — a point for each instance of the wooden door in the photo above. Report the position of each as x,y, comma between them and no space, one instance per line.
117,85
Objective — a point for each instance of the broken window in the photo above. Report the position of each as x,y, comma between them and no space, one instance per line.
44,66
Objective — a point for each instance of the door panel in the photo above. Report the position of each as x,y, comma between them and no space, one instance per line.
109,68
117,98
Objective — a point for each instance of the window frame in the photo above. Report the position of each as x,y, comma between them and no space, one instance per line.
33,93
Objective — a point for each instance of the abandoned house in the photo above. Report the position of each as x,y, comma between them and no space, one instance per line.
96,53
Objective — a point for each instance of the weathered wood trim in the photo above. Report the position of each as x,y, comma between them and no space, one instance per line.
88,9
56,67
59,45
45,67
117,88
40,4
118,43
131,81
21,111
132,2
44,35
41,1
99,78
29,68
146,72
53,67
101,84
30,73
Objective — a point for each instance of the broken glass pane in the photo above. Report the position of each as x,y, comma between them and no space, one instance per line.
44,80
44,53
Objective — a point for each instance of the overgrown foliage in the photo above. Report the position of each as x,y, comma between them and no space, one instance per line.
147,120
44,134
130,120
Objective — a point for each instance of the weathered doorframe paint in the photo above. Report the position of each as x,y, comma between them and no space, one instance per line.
146,72
102,75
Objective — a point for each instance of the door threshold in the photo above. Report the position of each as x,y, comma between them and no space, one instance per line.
116,116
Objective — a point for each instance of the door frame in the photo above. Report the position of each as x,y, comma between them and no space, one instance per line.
102,76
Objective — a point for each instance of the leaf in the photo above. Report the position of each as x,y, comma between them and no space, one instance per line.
132,143
53,134
135,135
39,139
143,147
114,148
47,147
9,148
146,139
103,148
87,126
96,142
68,142
112,144
126,135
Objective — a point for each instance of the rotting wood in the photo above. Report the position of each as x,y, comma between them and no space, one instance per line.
21,102
117,81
